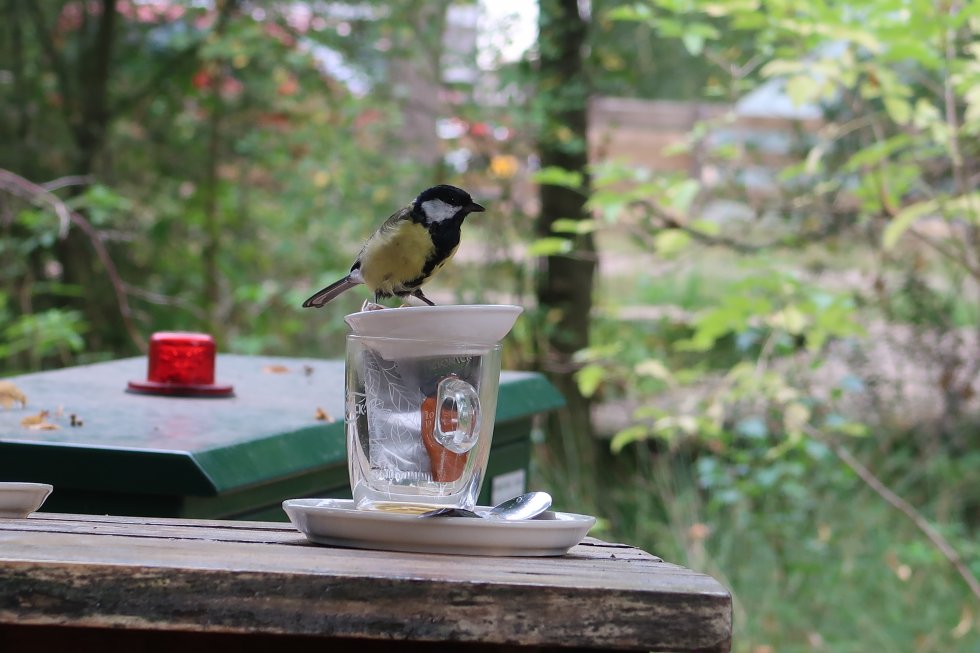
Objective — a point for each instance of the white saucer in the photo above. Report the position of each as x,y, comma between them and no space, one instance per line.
337,522
18,500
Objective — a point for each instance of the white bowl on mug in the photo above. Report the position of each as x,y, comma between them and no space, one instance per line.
476,324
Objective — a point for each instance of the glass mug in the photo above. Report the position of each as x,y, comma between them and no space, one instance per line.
419,418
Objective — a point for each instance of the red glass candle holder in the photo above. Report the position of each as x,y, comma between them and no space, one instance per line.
181,364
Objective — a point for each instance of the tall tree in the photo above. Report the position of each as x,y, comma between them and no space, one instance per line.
564,286
83,49
83,83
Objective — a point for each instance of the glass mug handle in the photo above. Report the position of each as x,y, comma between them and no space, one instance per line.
458,401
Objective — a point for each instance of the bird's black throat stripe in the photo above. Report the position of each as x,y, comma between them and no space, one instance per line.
445,238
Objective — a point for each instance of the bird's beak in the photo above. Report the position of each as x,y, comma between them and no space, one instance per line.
475,208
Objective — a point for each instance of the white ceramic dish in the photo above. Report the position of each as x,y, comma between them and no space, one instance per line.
338,523
18,500
485,324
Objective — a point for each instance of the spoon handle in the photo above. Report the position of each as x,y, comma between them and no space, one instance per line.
450,512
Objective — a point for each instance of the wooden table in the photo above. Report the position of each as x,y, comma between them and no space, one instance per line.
79,582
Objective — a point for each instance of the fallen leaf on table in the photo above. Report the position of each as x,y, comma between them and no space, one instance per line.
38,422
275,369
323,415
31,420
43,426
11,394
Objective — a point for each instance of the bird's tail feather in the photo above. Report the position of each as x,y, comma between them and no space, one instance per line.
331,292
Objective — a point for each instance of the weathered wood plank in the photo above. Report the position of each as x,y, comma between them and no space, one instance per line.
41,639
583,567
238,577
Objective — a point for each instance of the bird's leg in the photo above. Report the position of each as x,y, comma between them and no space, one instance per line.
418,293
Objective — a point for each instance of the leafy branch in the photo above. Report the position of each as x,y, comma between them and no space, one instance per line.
175,61
39,195
669,219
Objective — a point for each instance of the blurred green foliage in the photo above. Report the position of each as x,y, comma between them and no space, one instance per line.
759,308
237,172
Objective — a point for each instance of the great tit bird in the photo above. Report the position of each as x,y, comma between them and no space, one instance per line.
411,246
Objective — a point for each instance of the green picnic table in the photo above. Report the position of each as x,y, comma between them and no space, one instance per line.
280,436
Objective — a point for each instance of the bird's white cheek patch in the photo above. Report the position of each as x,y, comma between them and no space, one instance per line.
437,210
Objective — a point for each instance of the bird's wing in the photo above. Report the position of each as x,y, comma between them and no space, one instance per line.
402,214
387,226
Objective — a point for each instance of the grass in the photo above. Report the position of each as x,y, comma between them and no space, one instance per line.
830,569
689,290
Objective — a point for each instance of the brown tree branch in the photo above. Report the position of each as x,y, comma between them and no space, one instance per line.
70,180
958,258
671,220
897,502
16,185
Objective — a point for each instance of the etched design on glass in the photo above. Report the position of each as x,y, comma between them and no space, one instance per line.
395,450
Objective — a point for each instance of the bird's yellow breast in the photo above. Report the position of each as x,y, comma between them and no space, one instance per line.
396,256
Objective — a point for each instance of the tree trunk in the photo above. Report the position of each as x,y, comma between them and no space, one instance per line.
86,96
564,286
212,213
416,81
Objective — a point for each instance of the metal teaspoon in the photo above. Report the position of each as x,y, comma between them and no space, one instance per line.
524,506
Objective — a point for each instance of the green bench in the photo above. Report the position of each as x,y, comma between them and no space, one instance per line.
281,436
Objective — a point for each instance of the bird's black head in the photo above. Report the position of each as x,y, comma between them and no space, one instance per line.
443,203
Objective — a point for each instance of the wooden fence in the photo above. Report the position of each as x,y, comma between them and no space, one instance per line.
643,132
